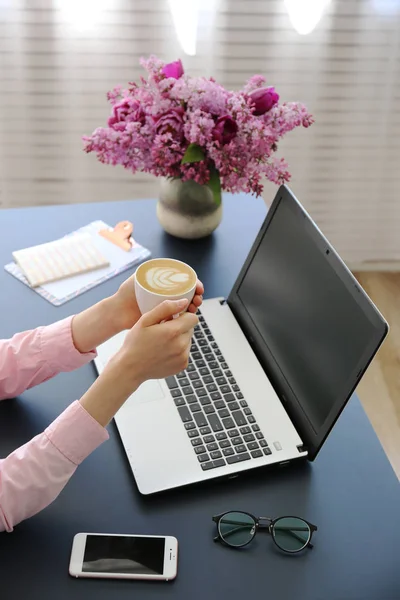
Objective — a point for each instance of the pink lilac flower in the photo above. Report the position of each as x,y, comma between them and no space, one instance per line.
173,69
156,119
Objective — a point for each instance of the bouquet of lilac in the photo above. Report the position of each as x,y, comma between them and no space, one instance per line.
191,128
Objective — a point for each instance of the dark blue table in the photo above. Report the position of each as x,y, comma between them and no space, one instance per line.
350,491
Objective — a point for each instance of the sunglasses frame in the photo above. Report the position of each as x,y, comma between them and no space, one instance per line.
266,523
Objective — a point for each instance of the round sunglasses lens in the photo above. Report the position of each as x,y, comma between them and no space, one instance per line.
237,528
291,534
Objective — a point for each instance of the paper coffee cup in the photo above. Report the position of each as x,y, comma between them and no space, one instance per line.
161,279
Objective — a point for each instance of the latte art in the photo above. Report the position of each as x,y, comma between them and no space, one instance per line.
165,279
165,276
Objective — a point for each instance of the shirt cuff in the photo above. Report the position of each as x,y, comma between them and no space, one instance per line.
75,433
58,350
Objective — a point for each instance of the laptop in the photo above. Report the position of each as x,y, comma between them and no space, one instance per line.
271,367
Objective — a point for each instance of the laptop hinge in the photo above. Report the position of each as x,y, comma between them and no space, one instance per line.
302,448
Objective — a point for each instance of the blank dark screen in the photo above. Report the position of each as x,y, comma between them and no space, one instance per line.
311,323
120,554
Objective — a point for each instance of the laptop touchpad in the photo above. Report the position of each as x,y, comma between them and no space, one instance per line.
149,391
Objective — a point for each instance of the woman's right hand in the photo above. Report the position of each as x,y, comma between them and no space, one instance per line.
156,347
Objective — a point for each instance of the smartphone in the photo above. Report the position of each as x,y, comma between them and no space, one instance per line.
116,556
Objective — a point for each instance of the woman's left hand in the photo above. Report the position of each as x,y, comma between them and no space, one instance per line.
127,311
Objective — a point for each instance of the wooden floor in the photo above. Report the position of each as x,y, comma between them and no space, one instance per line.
379,390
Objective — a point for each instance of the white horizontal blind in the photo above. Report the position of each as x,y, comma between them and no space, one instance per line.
54,77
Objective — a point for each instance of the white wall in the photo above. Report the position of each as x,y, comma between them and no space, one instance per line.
54,75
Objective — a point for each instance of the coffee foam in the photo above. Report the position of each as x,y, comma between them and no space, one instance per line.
166,279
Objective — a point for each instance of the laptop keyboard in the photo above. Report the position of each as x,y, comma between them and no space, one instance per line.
215,414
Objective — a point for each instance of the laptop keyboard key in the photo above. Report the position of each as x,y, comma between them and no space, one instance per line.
211,447
247,411
193,376
209,409
202,342
219,404
180,401
206,466
224,365
259,435
212,387
187,390
225,389
221,380
171,382
200,449
241,448
191,399
251,419
209,358
205,430
267,451
256,453
200,419
204,400
223,413
215,422
235,387
233,433
192,433
190,426
252,446
202,457
220,462
245,429
239,396
255,427
234,406
229,397
249,438
237,440
204,371
215,454
195,407
239,418
190,368
197,356
213,365
244,456
175,393
208,439
200,364
216,396
243,403
181,375
232,380
196,442
221,359
228,451
233,459
263,443
208,379
228,423
225,444
218,373
221,436
201,392
184,413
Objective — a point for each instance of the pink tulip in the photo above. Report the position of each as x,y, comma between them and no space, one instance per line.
174,69
263,100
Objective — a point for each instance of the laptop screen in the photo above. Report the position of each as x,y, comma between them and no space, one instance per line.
312,327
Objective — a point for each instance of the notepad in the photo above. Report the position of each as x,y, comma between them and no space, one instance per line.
62,258
63,290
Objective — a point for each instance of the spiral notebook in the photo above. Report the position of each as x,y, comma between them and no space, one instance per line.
59,292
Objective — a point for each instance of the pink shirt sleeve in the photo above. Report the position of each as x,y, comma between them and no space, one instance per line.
32,476
31,357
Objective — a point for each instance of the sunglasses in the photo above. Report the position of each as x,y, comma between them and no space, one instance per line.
290,534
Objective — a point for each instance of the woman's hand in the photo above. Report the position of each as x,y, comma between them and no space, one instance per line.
125,307
156,347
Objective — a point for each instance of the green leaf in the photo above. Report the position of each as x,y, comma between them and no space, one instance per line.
193,154
215,185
